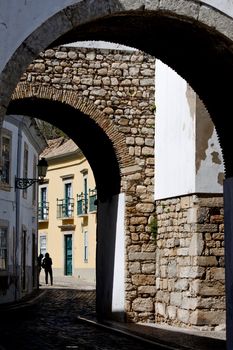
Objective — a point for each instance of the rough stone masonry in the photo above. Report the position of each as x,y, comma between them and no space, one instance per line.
178,277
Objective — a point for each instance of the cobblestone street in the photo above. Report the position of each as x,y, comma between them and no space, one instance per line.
51,323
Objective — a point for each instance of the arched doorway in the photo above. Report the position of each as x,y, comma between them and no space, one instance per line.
199,51
101,155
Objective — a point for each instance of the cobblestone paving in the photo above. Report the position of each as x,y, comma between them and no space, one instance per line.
52,324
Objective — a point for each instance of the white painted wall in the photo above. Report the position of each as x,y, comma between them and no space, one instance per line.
118,298
223,5
210,174
184,134
174,134
110,258
20,212
100,45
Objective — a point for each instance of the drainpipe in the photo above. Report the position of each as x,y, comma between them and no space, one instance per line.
17,212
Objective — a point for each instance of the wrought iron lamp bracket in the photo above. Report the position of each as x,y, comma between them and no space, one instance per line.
23,183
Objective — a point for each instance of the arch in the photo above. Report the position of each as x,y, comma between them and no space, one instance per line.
28,91
105,150
43,103
193,38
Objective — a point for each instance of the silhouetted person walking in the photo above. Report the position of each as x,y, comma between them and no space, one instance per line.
39,266
47,265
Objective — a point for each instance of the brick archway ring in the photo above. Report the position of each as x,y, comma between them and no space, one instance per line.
26,90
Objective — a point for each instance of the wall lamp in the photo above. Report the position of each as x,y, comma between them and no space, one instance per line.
23,183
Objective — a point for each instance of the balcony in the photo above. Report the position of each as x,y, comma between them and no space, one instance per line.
43,211
92,201
65,208
82,204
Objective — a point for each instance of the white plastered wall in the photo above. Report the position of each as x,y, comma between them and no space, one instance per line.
174,134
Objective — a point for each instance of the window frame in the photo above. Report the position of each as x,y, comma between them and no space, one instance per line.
85,246
43,236
6,134
5,227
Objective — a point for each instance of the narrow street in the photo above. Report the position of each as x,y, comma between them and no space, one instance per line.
51,323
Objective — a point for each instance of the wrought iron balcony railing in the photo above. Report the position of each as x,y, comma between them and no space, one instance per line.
65,208
92,200
43,211
82,204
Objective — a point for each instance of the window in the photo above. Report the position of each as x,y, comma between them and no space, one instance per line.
82,198
3,248
68,203
85,194
6,154
85,246
43,207
43,244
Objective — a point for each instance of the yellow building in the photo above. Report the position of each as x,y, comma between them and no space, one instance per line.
67,211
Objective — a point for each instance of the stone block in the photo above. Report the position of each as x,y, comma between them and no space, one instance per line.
207,288
196,244
135,267
172,269
183,315
160,308
191,272
189,303
192,215
216,20
204,317
148,268
217,273
185,202
181,284
205,261
143,280
181,7
147,290
171,311
176,299
143,304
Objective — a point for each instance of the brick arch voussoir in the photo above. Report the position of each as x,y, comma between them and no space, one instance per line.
26,90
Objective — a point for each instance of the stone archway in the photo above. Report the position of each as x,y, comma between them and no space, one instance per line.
111,202
26,91
195,40
192,38
120,184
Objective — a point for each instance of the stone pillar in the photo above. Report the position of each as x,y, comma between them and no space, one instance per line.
228,223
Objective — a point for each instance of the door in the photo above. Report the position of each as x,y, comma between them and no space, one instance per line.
23,264
34,274
68,255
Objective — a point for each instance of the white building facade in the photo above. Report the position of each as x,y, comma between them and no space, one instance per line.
21,144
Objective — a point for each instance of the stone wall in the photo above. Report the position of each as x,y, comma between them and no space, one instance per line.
119,84
178,278
190,289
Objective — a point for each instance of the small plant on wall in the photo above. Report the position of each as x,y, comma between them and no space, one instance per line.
153,108
153,227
